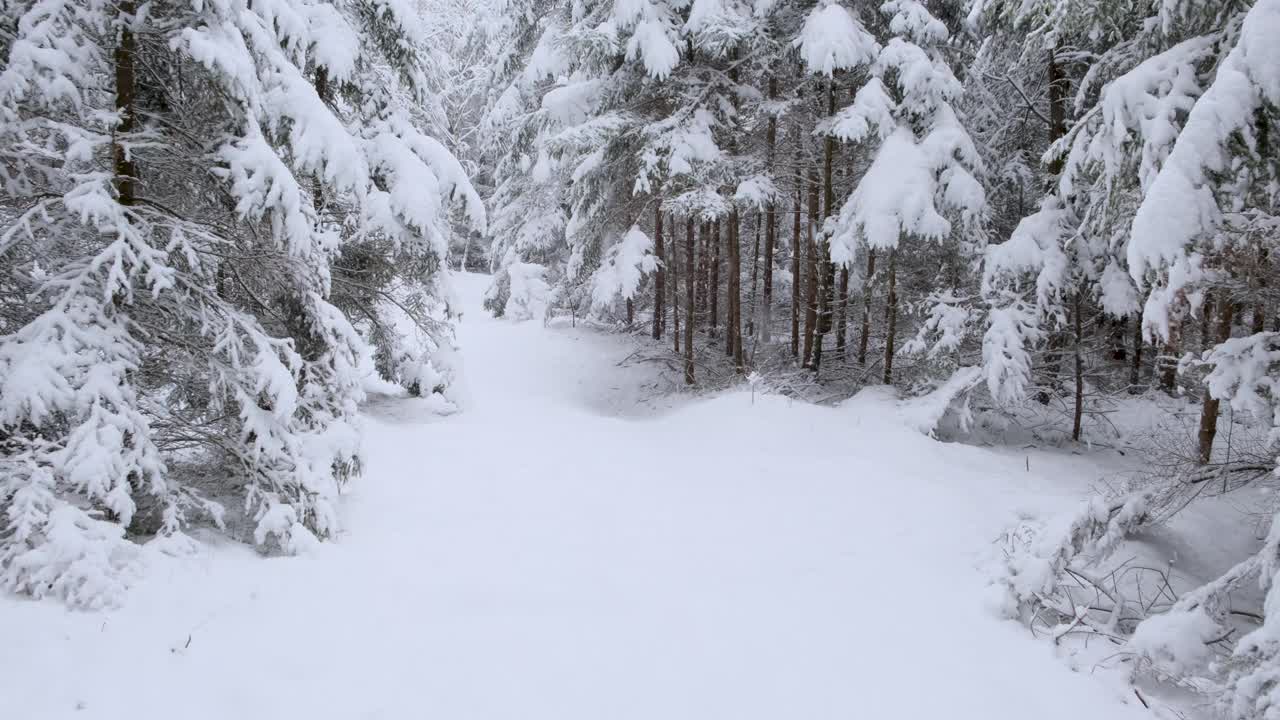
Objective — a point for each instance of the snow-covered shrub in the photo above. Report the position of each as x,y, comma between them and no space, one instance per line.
624,265
1038,556
530,292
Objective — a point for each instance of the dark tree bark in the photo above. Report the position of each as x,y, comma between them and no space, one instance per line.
1059,87
733,305
713,290
673,255
704,271
126,171
739,363
1259,313
842,314
795,271
660,275
688,312
752,328
770,228
866,307
1209,404
826,269
1167,362
1078,321
891,316
811,272
1135,368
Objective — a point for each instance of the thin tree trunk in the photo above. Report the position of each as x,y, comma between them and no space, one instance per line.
659,276
842,314
1135,369
866,307
703,271
733,304
1167,361
689,299
673,254
738,359
752,327
891,316
728,282
735,246
770,228
1209,404
1259,314
713,290
1057,91
126,172
826,299
1078,414
795,273
811,272
1059,87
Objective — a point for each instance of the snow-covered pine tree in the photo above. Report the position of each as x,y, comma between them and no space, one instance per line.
1211,201
180,231
833,40
1043,282
527,208
922,185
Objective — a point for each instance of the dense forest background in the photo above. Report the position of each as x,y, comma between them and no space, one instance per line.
224,224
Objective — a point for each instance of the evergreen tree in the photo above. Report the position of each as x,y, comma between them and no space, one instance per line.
193,194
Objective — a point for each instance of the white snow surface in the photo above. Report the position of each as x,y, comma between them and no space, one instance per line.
550,553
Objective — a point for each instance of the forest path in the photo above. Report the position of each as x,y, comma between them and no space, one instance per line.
537,557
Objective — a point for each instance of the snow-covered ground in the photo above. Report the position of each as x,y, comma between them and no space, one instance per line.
548,554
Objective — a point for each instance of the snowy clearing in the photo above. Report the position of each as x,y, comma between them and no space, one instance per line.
488,569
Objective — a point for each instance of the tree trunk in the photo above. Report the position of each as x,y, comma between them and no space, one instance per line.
631,314
1078,320
1058,89
770,228
126,172
704,270
752,327
1209,404
713,289
734,303
795,272
660,275
811,272
673,254
866,308
891,316
842,314
1057,82
1167,361
1135,369
688,311
1259,314
738,359
826,299
735,245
